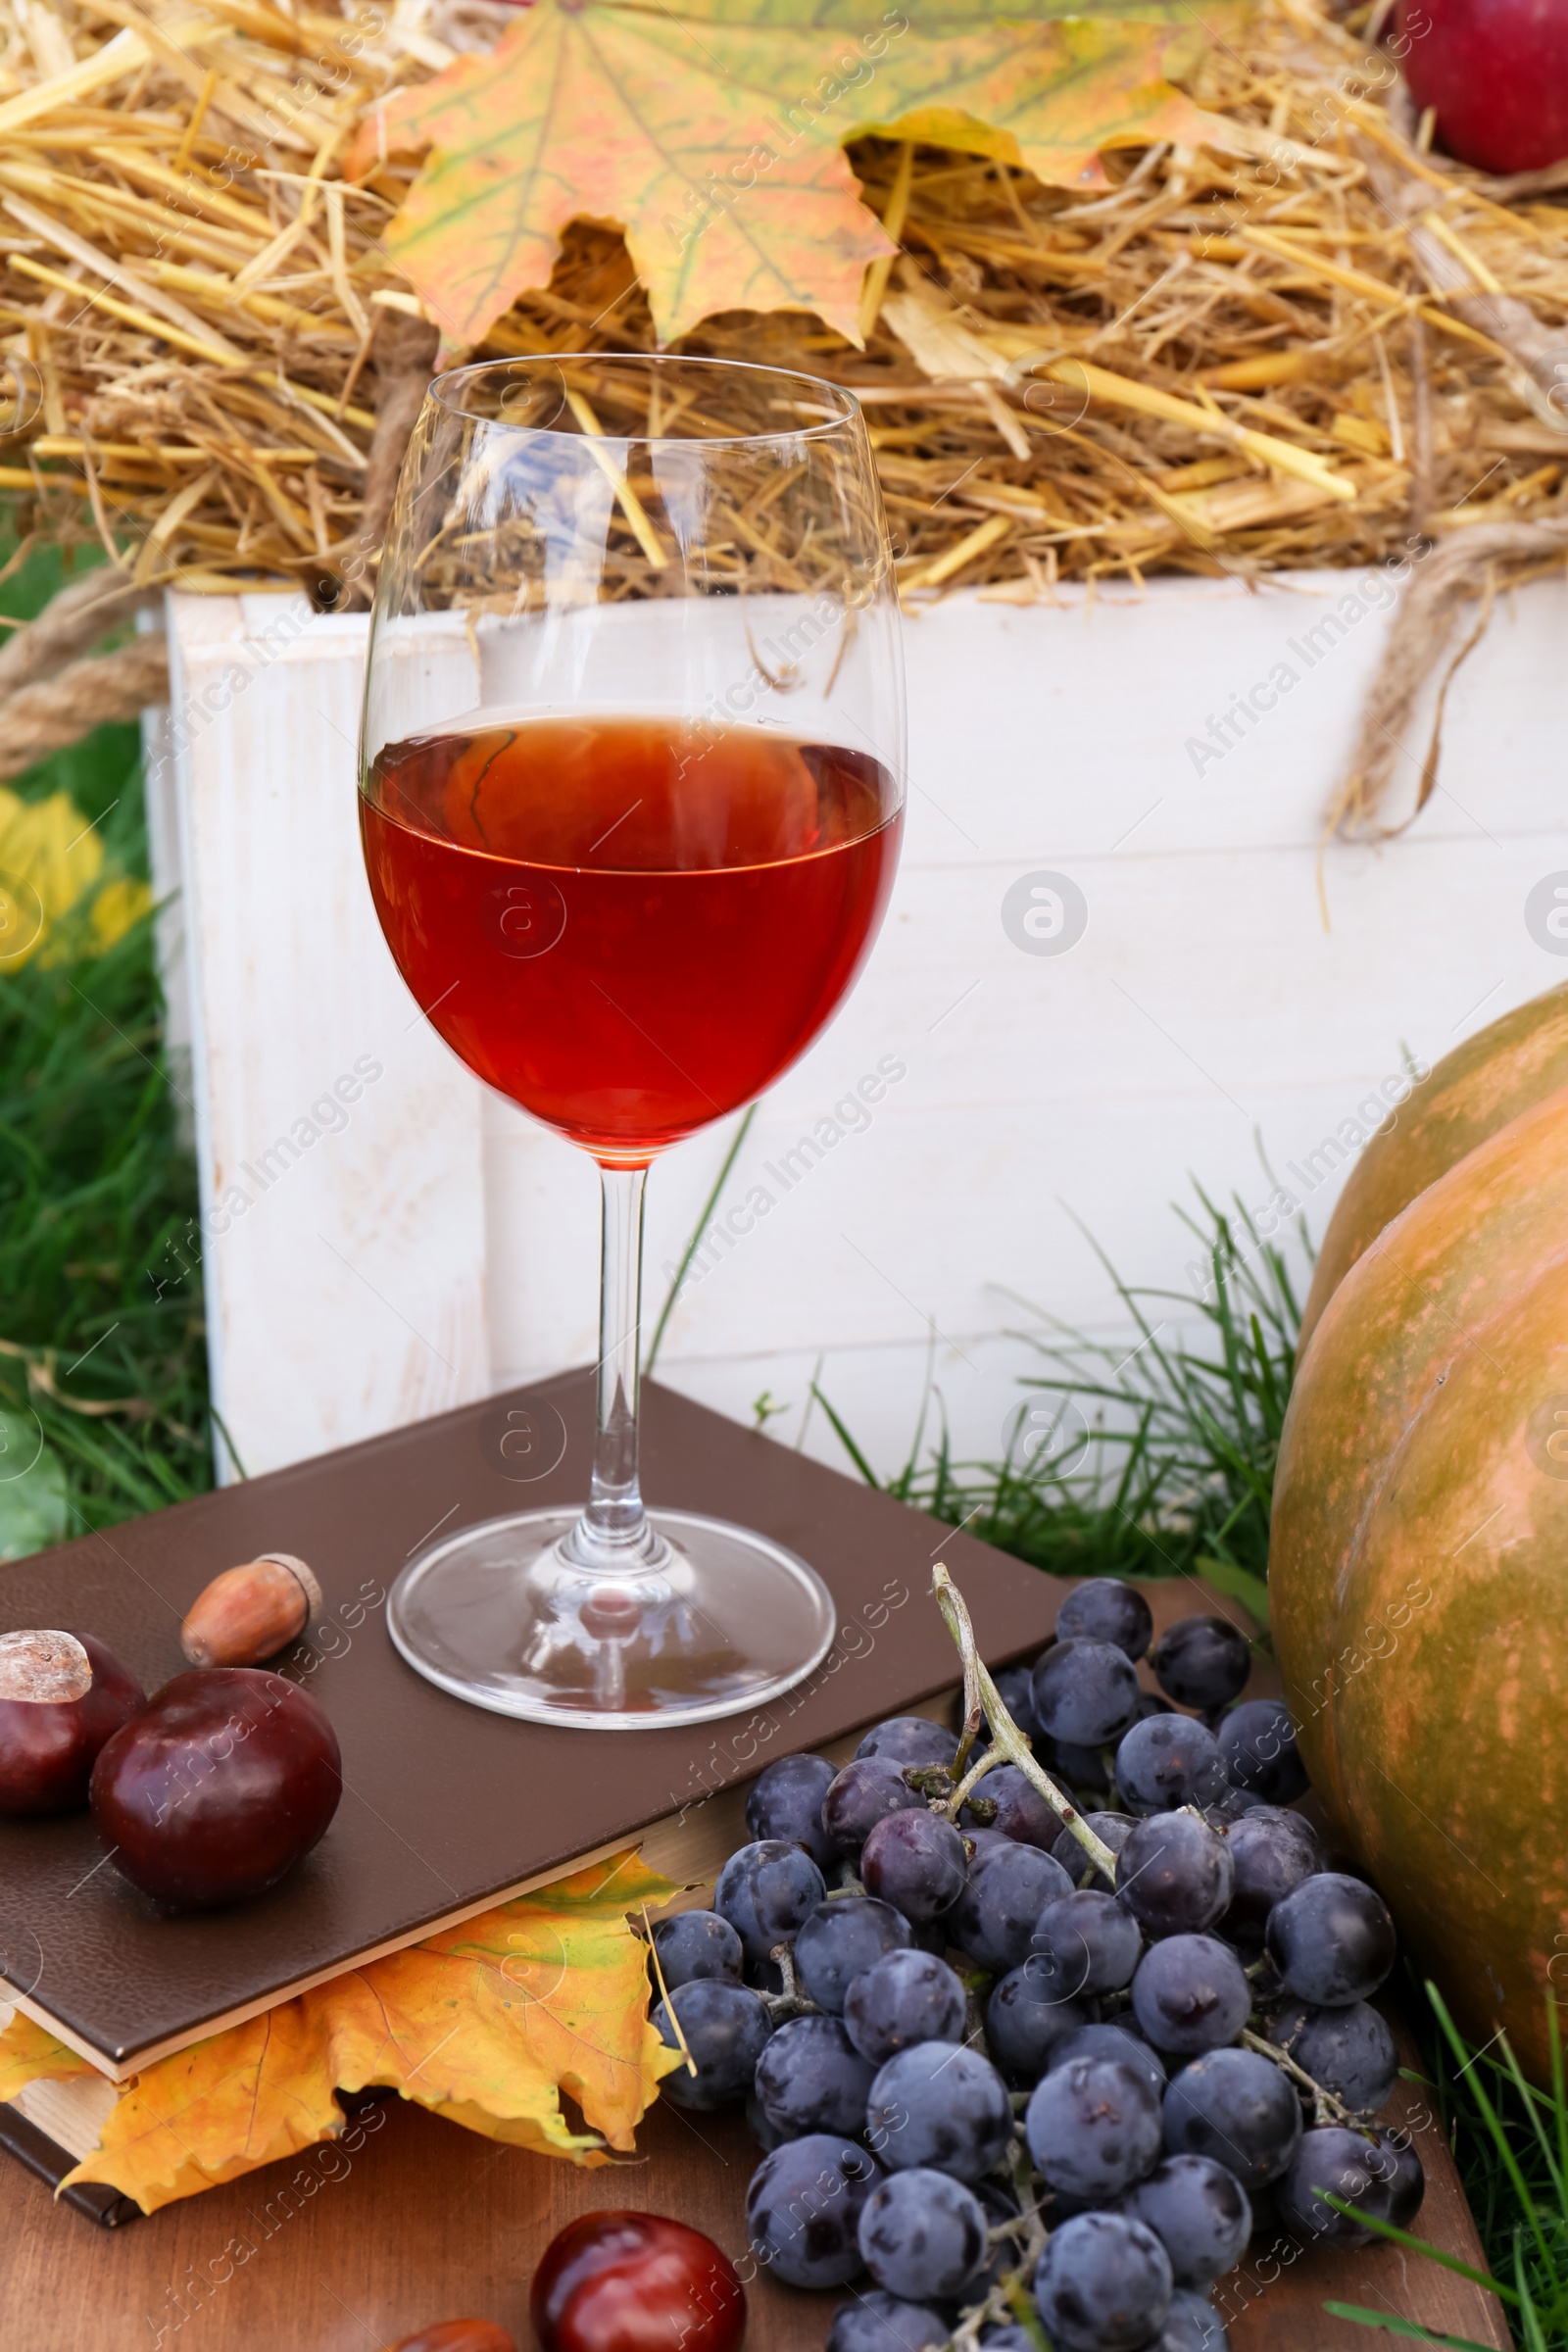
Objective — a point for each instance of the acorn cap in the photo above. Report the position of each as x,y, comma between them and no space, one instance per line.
314,1603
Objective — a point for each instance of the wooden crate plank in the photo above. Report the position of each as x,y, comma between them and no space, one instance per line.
342,1209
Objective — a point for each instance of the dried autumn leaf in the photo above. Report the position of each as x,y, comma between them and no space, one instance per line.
487,2023
31,2054
733,195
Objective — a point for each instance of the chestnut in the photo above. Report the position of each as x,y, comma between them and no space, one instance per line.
628,2281
61,1696
220,1786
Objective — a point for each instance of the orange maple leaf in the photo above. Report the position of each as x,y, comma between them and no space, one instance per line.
714,138
486,2022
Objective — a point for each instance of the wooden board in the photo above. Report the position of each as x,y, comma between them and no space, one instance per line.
443,1243
413,2220
342,1216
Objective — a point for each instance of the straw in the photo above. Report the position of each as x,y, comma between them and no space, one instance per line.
1245,360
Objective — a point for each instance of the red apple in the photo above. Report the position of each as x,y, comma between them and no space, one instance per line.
1495,72
226,1779
635,2282
61,1696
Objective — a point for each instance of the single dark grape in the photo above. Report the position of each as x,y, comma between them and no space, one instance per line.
1402,2171
1016,1690
812,2078
877,2322
1021,1812
1174,1874
764,1891
1235,2106
1350,2051
902,1998
1168,1760
1201,2214
1025,2019
917,1862
1332,1939
1193,2324
1102,2285
1084,1771
1201,1662
842,1938
1258,1741
864,1792
1112,2041
1007,1889
931,1935
943,2105
804,2206
1086,1942
727,2029
923,2236
1094,2127
1230,1805
1111,1829
1010,2336
1271,1852
1339,2161
786,1802
1104,1609
697,1943
1085,1693
982,1835
1190,1994
761,2130
910,1739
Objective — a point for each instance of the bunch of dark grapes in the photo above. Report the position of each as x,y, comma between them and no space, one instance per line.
995,2067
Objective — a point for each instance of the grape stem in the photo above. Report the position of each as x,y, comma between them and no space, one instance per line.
792,2001
981,1696
1327,2108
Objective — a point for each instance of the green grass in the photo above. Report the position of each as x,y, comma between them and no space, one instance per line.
100,1290
1155,1457
1510,2141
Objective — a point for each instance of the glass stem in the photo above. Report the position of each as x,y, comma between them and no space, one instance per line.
613,1533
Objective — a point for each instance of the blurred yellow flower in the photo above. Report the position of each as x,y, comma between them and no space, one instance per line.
118,904
50,861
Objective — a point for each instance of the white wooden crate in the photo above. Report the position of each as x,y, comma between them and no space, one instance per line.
428,1243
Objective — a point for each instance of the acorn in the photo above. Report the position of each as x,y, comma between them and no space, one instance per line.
252,1612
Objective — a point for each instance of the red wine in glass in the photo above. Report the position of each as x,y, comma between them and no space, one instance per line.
630,798
628,925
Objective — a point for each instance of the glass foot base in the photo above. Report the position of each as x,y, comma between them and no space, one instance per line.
502,1616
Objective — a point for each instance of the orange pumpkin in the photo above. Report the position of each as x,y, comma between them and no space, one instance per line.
1468,1096
1419,1565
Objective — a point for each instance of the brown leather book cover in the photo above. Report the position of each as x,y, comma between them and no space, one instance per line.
447,1808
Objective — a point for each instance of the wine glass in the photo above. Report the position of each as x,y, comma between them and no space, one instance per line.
631,795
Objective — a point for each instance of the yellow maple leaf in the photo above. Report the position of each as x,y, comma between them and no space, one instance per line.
714,138
29,2053
487,2023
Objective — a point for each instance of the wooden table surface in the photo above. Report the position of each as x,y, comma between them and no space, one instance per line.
423,2221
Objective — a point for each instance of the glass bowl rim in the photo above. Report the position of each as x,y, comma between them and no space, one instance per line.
443,387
